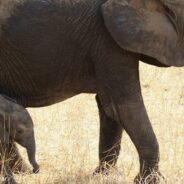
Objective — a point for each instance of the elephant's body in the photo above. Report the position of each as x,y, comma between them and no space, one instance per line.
51,50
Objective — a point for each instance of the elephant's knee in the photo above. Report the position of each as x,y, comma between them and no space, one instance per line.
149,156
149,151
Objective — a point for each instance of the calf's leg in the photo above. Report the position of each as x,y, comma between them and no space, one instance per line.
16,163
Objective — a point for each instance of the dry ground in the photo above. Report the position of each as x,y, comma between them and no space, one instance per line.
67,135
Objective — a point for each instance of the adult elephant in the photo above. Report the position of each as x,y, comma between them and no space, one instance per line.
51,50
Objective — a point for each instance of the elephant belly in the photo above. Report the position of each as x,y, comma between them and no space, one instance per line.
44,51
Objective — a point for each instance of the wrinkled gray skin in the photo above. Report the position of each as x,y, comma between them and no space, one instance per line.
15,126
51,50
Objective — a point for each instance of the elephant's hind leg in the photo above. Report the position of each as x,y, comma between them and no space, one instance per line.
110,139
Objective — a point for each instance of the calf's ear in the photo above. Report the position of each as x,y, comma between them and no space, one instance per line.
145,27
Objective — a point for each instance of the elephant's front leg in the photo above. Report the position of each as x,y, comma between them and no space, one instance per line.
138,126
110,139
120,94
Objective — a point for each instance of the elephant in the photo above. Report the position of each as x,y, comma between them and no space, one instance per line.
51,50
16,125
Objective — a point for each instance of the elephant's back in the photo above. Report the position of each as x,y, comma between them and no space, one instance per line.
39,28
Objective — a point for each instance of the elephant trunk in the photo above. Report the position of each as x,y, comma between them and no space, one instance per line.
31,151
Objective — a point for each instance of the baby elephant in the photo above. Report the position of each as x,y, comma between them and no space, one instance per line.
15,126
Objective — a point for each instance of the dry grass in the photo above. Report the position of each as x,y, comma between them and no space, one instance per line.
67,135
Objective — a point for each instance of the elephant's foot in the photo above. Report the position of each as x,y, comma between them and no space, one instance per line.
152,178
104,169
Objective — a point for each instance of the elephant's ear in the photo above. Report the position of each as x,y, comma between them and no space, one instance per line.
145,27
